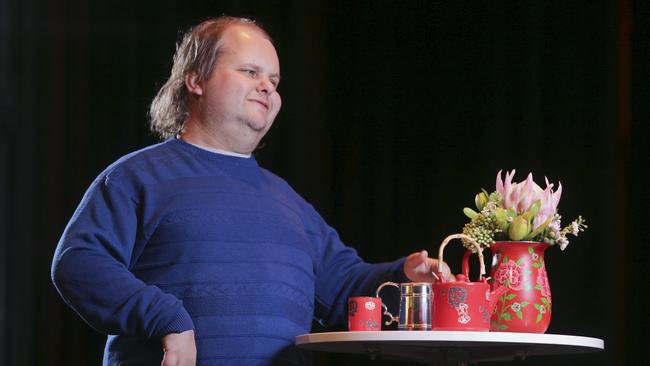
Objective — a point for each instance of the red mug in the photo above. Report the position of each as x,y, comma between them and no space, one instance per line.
364,313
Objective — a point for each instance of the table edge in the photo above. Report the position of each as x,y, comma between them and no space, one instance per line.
450,336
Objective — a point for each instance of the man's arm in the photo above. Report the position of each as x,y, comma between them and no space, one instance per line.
91,265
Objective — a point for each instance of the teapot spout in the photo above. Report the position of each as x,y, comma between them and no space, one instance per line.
494,296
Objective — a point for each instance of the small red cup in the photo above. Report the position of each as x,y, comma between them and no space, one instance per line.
364,313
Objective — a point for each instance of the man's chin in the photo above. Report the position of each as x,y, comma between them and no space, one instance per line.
258,125
257,128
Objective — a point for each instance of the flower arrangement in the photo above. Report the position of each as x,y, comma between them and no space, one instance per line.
519,211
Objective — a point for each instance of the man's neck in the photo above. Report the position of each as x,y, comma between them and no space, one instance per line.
203,136
214,150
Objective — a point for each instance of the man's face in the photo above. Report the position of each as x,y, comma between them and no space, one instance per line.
239,100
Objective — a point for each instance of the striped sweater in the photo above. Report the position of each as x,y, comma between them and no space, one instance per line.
173,237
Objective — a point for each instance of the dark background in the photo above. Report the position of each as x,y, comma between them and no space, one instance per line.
395,113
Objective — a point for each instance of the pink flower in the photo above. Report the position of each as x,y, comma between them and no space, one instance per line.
550,200
542,281
520,196
510,272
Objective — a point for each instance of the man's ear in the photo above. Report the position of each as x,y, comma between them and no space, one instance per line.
192,84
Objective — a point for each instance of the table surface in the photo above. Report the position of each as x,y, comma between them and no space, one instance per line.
443,347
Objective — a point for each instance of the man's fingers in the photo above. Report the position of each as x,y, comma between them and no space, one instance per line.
169,360
414,256
179,348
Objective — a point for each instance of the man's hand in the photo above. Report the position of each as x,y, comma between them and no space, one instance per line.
418,267
179,348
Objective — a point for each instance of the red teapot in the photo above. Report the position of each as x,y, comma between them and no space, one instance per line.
463,305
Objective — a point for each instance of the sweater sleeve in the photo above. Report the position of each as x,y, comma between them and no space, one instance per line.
91,266
341,273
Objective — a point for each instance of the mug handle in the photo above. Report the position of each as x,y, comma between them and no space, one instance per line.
393,319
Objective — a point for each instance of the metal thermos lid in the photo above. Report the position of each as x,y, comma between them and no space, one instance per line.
415,289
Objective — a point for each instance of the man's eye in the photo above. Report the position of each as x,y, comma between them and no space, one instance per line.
250,72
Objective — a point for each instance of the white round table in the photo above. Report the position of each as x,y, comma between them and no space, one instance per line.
441,348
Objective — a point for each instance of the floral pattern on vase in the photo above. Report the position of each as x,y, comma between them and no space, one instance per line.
526,306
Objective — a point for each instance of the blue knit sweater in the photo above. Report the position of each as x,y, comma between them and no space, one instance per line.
174,237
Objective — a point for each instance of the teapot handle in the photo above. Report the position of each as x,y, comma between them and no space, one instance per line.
465,266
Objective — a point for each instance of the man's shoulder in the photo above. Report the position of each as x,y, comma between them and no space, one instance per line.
278,182
155,151
143,160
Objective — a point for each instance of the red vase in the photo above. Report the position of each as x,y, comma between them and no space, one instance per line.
526,306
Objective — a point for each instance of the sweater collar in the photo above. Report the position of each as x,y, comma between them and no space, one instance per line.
213,155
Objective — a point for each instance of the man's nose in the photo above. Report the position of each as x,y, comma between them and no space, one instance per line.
265,86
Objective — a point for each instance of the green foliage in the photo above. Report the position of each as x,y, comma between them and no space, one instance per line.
497,219
470,213
519,228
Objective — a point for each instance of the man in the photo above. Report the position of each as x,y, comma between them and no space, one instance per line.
187,252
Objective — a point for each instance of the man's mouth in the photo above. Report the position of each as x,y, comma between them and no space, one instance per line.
262,103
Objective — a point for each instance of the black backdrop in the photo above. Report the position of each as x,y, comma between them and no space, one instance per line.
395,114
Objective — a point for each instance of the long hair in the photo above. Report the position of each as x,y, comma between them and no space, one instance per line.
197,53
